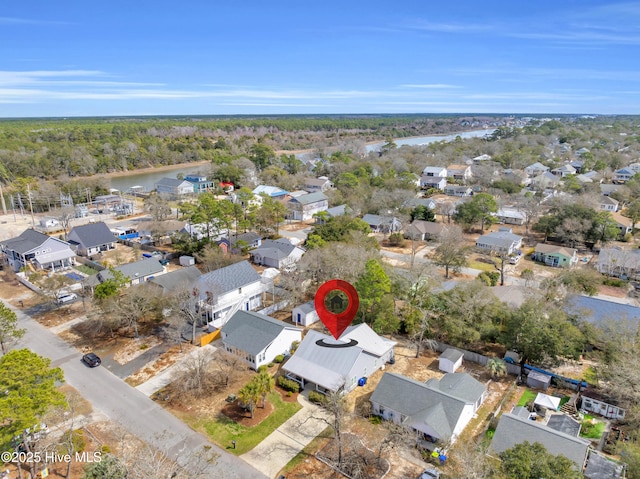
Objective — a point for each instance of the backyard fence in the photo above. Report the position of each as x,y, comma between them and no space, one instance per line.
477,358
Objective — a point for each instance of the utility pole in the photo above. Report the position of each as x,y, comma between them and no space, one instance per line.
33,220
4,205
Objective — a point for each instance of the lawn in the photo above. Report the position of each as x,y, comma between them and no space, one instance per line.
222,430
85,269
479,265
591,428
527,397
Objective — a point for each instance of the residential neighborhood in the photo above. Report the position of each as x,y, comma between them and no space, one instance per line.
497,305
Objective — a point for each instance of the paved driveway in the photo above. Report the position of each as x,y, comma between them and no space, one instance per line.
127,406
282,445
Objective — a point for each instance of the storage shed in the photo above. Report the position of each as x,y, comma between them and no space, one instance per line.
305,314
538,380
450,360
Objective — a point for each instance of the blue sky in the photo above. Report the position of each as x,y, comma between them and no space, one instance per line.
73,58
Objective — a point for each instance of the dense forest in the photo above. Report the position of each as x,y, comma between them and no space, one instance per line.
83,147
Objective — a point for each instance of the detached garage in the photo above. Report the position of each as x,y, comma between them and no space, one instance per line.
450,360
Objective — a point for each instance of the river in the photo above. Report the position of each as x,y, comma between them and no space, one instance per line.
148,179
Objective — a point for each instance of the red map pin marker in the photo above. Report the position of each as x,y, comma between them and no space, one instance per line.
336,323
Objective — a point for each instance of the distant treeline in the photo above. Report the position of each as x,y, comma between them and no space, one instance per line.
58,148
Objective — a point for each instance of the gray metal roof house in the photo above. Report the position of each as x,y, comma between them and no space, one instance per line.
276,253
438,409
137,272
334,369
257,338
514,430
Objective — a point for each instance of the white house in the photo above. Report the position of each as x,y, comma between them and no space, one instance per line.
545,180
37,250
438,182
339,368
278,253
92,238
458,190
226,290
459,172
436,171
257,338
305,314
511,216
625,225
564,170
174,186
439,409
450,360
321,184
501,241
305,206
607,203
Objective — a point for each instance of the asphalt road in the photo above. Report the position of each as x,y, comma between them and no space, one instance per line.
126,405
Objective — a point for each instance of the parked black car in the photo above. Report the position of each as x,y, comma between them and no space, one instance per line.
91,360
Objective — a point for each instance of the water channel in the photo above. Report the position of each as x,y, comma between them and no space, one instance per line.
148,179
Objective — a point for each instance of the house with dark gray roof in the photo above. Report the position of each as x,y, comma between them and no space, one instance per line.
257,338
438,409
513,430
600,466
36,250
183,278
321,184
382,224
92,238
228,289
276,253
174,187
501,241
338,368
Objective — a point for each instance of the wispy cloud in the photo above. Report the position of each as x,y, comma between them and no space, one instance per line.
29,21
430,86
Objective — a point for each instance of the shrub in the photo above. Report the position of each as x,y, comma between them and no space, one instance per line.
491,278
396,239
615,282
279,358
270,365
316,397
288,384
262,368
372,419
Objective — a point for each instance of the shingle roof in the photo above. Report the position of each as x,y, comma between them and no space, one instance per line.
553,249
563,423
274,249
28,240
183,277
309,198
499,238
452,354
248,237
514,430
252,332
597,310
426,227
423,403
230,277
307,307
170,182
93,234
601,467
142,268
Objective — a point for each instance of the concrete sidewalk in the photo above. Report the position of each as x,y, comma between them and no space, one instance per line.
282,445
164,378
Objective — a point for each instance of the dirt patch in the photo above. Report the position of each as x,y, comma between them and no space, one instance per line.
134,348
167,359
613,291
243,417
12,291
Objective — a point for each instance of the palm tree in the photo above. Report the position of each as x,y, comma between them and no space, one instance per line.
249,395
265,383
496,367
